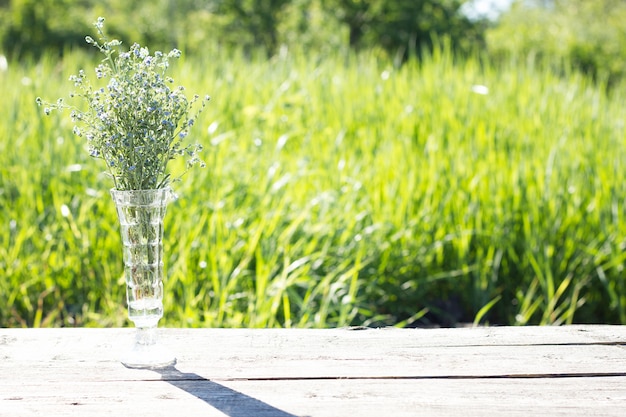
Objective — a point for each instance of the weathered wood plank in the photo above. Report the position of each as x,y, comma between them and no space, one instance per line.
577,370
442,397
323,398
222,354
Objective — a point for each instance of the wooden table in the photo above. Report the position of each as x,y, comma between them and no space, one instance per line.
500,371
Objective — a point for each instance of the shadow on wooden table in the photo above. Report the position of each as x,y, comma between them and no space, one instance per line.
228,401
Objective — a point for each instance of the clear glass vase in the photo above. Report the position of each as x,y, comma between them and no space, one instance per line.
141,216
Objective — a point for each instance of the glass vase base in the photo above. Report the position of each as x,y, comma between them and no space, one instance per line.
146,352
148,357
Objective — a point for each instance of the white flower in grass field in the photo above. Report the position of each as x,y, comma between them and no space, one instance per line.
4,64
139,120
65,210
480,89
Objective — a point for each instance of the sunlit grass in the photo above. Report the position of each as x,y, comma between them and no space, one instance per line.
339,190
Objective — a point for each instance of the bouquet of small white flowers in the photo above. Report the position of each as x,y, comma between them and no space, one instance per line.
139,121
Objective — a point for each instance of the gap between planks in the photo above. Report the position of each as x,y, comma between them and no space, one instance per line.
171,376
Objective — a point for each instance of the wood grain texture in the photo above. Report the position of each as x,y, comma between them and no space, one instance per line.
575,370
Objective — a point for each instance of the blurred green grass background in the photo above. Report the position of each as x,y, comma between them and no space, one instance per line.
472,178
340,190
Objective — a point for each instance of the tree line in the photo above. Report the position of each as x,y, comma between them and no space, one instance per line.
589,36
401,27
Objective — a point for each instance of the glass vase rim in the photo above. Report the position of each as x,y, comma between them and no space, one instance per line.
166,192
148,190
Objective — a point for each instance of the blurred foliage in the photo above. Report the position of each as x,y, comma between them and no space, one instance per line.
406,27
588,35
28,27
416,24
259,20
